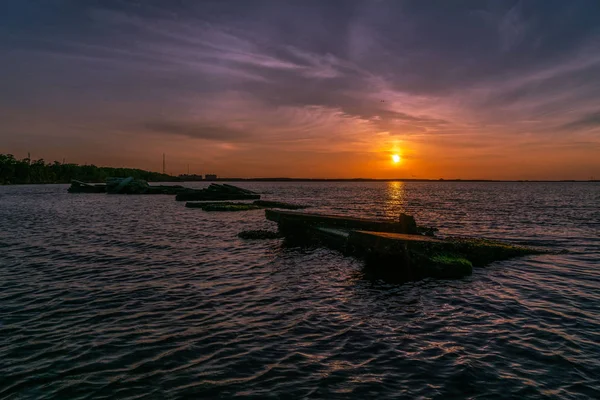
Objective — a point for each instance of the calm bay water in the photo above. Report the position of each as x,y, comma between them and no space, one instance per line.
139,297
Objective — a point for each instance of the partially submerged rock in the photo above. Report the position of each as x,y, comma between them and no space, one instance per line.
279,204
82,187
408,223
217,192
220,205
127,185
483,251
230,188
260,234
230,207
295,219
447,266
427,230
138,186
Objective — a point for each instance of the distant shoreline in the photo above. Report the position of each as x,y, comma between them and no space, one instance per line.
179,181
39,172
377,180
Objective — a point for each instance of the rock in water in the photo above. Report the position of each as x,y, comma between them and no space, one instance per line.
217,192
82,187
408,224
127,185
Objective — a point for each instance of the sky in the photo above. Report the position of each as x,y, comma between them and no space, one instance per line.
310,88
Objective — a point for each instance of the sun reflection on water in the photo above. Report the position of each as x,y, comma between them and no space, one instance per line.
395,199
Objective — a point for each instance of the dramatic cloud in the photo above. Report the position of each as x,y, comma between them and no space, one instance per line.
589,121
197,131
450,85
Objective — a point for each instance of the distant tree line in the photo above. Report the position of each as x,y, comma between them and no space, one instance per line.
13,171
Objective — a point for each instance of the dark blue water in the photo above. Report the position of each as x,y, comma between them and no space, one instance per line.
134,297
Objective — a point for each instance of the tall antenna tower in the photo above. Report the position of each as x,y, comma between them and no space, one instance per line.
164,164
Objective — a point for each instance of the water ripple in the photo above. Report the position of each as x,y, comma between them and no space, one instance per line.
139,297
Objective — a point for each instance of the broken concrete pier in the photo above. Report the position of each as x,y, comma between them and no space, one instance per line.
394,249
405,224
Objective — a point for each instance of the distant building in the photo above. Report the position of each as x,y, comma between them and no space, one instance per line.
210,177
188,177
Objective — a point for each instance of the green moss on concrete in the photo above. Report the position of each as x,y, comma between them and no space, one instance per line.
479,252
440,265
451,259
483,251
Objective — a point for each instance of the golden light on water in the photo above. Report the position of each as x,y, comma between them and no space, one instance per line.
396,158
395,199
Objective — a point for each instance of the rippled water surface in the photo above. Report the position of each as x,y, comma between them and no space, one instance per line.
139,297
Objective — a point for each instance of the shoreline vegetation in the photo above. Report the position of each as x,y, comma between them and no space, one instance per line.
26,171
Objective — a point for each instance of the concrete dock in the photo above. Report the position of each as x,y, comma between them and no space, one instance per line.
394,249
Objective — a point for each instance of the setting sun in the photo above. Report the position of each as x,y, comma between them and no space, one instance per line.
396,158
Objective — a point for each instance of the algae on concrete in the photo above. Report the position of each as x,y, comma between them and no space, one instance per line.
484,251
451,259
448,266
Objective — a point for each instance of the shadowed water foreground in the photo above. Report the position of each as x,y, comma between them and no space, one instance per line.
132,296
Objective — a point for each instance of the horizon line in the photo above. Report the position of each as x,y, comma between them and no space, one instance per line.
284,179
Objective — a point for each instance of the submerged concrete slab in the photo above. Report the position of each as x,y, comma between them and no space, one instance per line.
298,218
279,204
389,250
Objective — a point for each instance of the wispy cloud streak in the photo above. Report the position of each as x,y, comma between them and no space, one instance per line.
324,77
